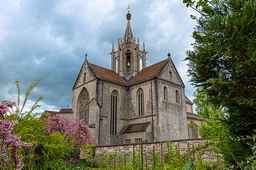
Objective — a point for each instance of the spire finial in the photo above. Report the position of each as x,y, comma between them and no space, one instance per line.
128,36
85,57
129,15
169,55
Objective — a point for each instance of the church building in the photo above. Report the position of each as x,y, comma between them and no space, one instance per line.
132,102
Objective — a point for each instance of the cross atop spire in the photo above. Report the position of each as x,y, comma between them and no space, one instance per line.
128,31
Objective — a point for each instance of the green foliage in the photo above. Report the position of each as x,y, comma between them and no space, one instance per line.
223,64
87,151
49,150
216,131
169,159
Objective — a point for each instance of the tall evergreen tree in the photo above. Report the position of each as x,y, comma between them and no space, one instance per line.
223,60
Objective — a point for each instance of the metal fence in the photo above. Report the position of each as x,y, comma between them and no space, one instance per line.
149,155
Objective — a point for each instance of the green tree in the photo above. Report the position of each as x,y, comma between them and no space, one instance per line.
216,131
223,62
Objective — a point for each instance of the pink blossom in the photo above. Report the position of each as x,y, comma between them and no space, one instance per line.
8,103
7,137
76,129
6,127
5,107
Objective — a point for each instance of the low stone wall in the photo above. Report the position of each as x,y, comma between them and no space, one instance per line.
182,145
146,151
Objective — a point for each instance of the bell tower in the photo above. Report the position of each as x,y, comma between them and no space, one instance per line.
127,58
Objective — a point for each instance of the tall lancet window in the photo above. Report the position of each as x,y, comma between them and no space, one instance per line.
83,105
113,116
140,102
165,93
177,94
128,61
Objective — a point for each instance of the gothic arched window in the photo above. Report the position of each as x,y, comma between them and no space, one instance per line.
113,116
128,60
83,105
177,94
165,93
140,101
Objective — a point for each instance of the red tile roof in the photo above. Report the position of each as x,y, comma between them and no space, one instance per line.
145,74
106,74
148,73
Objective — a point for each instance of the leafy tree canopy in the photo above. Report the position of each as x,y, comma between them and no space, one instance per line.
223,59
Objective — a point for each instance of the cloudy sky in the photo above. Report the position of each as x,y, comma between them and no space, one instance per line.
46,40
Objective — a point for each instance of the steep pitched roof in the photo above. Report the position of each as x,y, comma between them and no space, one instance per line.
106,74
77,77
148,73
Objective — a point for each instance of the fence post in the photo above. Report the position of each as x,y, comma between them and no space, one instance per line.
146,160
141,156
161,155
154,157
125,160
133,156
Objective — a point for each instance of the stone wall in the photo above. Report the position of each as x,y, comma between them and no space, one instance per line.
147,150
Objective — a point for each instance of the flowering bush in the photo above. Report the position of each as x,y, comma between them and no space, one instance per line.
8,139
74,128
53,141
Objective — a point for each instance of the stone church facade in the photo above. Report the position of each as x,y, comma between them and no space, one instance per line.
131,102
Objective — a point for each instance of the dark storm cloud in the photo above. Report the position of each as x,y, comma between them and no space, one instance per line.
46,40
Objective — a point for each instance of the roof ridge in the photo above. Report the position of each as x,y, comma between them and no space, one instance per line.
104,73
165,60
149,72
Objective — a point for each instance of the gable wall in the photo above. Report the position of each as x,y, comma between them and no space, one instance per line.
80,78
172,115
93,107
166,75
90,85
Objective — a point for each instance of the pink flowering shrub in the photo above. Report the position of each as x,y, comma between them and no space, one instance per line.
8,138
74,128
5,107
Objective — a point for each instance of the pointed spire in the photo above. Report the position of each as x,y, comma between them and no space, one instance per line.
85,58
128,31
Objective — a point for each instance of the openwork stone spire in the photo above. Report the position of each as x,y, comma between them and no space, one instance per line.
128,36
128,58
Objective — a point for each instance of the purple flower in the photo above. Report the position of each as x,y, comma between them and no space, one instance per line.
5,107
6,127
